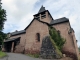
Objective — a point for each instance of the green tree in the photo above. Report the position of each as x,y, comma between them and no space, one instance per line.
2,20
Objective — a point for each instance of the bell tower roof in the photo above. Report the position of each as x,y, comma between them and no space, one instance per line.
43,13
41,9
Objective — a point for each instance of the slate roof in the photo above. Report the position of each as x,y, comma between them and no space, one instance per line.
18,32
58,21
13,39
42,9
53,22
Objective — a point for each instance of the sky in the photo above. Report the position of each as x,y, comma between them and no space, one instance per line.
20,13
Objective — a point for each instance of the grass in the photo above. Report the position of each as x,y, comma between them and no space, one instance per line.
33,55
2,54
79,58
56,47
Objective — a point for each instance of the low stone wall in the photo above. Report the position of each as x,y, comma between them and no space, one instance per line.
48,51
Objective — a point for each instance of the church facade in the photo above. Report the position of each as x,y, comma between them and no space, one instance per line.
30,39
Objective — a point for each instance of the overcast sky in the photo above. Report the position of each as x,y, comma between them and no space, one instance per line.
20,13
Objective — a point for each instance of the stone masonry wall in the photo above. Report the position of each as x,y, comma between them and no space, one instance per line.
20,48
47,49
47,19
75,43
64,30
32,44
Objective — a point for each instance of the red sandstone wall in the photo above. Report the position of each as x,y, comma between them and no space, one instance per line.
75,42
47,19
32,45
64,29
19,48
22,39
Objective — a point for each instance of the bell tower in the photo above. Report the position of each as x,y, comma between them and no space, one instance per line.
43,15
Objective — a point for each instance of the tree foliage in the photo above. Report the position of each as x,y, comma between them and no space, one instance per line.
2,17
55,35
2,20
2,36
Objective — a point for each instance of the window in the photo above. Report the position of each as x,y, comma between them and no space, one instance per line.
76,40
37,16
38,36
43,15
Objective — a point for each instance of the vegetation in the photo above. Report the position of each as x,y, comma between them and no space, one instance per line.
56,37
56,40
2,20
33,55
2,54
56,48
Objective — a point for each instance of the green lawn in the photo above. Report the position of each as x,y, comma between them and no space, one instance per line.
2,54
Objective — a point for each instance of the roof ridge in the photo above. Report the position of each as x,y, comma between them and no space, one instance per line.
61,18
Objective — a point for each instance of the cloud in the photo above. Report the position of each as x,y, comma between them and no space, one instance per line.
17,13
20,12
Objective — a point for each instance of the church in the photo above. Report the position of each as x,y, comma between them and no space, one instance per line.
30,39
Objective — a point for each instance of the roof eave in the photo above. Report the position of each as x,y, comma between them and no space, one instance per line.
60,22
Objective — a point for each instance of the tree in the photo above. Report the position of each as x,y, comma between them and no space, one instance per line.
2,20
2,17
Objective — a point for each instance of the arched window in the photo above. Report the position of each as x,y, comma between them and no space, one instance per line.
38,36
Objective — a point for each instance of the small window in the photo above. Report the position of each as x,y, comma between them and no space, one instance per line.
76,40
38,36
43,15
37,16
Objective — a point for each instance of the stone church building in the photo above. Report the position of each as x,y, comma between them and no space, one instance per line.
30,39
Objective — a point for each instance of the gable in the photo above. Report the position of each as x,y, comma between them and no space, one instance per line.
36,20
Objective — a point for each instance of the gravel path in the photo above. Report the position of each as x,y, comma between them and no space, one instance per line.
15,56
